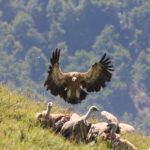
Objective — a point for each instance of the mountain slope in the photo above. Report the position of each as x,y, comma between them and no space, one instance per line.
20,131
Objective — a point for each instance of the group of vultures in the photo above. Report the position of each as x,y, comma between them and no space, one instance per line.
76,128
73,87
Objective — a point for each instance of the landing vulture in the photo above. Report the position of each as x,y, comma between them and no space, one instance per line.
73,87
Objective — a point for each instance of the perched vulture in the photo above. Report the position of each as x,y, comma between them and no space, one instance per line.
73,87
106,129
49,120
44,116
113,122
77,127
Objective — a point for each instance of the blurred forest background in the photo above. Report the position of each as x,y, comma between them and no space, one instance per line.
84,29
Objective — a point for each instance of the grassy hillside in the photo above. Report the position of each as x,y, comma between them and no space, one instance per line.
20,131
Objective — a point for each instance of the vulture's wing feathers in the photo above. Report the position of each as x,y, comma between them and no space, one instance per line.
97,75
56,79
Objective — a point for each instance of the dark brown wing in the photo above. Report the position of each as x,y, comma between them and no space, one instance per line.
98,75
56,79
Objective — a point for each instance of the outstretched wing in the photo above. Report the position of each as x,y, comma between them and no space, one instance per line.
98,75
56,79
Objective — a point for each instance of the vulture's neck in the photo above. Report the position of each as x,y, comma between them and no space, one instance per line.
87,115
48,111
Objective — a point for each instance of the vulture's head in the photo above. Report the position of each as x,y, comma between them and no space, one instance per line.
74,78
94,108
50,104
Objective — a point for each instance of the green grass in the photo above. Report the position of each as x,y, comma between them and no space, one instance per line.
19,129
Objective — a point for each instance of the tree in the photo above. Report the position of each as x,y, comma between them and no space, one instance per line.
37,62
21,23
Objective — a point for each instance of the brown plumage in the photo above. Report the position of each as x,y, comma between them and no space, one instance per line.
63,120
113,121
107,129
70,86
58,125
76,128
49,120
56,117
119,143
44,116
95,131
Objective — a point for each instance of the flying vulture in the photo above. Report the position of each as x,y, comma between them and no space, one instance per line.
73,87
